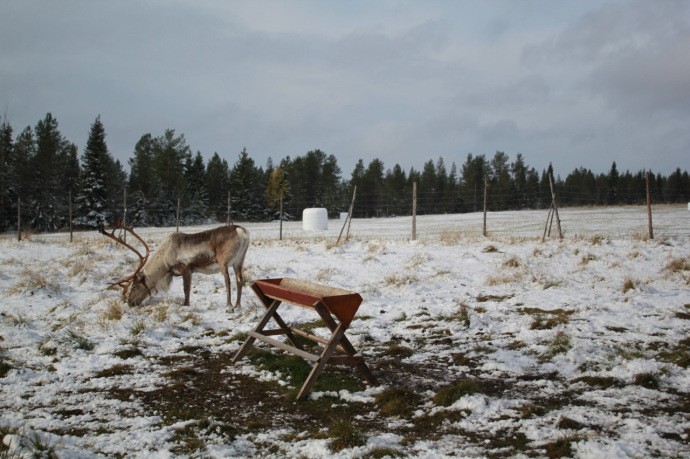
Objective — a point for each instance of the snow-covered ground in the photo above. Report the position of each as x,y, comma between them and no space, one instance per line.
577,347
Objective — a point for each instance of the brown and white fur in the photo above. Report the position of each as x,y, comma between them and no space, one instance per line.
182,254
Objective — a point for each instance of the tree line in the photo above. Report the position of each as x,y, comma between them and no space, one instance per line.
44,175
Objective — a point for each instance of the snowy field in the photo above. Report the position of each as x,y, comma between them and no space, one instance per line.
503,346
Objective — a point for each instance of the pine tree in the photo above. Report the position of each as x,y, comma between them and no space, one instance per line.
47,198
7,200
397,191
143,185
370,195
93,203
276,189
170,155
217,175
245,185
474,172
612,189
195,196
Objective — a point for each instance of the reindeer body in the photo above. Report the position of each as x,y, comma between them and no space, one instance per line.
181,254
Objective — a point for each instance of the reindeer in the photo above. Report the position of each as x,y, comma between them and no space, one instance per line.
182,254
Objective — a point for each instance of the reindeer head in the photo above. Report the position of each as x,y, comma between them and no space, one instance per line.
139,289
136,283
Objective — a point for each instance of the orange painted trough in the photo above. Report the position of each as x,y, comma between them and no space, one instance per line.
341,303
336,307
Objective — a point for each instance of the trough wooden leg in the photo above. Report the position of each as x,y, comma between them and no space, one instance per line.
347,346
279,320
321,363
259,328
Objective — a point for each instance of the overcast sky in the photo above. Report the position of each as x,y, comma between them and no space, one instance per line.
576,83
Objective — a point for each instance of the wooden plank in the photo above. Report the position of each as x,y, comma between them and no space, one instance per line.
284,346
274,331
309,336
323,359
346,359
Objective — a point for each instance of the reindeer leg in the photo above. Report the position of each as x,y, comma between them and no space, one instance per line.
187,283
238,279
228,288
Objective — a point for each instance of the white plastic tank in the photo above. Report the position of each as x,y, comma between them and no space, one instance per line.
343,215
315,219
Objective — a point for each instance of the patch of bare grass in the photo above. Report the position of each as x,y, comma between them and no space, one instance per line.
30,281
504,279
398,351
450,237
512,262
326,274
598,239
586,258
448,395
344,434
497,298
547,319
397,401
560,344
398,280
547,282
114,310
629,284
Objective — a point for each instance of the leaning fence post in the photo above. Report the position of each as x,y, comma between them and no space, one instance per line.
649,210
348,220
555,208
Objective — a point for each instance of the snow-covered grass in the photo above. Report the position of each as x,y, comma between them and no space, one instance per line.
498,346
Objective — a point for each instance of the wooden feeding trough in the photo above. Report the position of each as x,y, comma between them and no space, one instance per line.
336,308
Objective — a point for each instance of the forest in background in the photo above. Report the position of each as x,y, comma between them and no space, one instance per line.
43,175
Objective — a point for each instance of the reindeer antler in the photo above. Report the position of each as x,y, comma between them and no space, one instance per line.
126,281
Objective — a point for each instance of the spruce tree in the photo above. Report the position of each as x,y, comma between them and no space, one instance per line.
7,199
195,196
98,166
48,198
143,184
170,156
246,189
217,175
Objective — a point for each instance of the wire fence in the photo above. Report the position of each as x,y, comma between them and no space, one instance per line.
419,216
671,222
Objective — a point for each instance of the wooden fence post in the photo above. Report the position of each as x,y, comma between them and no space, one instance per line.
124,214
178,215
555,208
281,216
71,233
486,195
19,219
414,211
348,220
228,221
649,210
